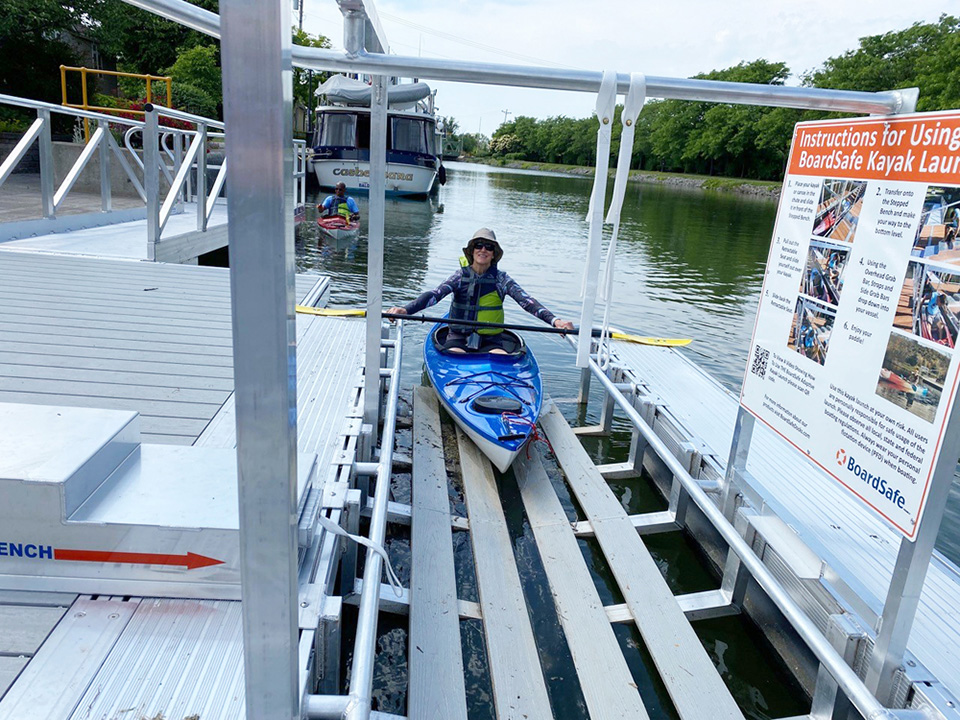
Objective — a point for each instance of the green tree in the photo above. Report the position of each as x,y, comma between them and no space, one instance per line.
925,55
305,81
141,40
32,46
196,81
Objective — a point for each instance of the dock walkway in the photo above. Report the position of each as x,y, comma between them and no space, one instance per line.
856,548
156,339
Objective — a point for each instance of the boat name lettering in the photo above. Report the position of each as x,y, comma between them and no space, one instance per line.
876,482
390,175
27,550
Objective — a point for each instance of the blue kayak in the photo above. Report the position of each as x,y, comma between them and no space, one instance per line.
495,399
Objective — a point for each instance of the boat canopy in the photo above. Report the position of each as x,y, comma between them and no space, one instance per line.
342,89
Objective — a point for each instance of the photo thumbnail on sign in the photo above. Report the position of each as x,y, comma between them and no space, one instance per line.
839,209
811,330
929,305
823,275
913,375
939,225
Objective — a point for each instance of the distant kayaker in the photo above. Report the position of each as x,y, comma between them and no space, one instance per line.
339,204
479,288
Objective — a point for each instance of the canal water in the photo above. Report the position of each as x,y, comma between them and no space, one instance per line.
689,264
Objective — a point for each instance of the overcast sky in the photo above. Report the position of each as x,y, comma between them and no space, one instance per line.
676,38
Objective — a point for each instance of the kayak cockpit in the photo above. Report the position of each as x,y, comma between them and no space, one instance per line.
510,342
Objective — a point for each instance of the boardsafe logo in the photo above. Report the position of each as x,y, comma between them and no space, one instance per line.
875,482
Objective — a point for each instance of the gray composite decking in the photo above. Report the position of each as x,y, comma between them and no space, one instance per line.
689,675
119,334
26,620
436,658
857,545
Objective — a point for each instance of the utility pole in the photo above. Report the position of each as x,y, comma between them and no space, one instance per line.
505,113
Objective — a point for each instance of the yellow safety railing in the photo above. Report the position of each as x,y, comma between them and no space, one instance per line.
84,72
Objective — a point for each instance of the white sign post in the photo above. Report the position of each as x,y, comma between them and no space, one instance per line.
853,359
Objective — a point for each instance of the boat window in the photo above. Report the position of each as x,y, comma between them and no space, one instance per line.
339,130
363,131
408,134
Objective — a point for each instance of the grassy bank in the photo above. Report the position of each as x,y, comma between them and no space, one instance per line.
760,188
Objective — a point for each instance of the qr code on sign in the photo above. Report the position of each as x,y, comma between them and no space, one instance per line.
760,357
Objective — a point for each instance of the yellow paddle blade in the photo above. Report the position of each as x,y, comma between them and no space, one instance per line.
331,312
660,342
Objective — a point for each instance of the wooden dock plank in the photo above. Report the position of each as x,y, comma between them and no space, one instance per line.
519,692
695,687
436,659
608,686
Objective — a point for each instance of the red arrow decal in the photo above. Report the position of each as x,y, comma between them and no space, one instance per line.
190,560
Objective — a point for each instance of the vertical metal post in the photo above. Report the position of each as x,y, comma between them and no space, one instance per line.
151,181
258,107
913,560
606,412
105,191
583,394
83,93
46,166
201,194
828,703
177,162
378,186
737,460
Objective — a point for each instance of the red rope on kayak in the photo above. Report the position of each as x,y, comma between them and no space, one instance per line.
534,435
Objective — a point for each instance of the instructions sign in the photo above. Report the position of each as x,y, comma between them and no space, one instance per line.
854,358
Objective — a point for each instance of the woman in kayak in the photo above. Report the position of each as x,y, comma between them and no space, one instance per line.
479,288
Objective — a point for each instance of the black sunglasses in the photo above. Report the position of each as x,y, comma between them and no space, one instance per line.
484,246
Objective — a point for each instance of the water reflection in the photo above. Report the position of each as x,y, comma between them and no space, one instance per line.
407,233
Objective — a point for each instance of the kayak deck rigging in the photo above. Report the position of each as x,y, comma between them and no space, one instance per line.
505,382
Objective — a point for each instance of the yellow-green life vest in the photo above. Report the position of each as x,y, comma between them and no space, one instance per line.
488,306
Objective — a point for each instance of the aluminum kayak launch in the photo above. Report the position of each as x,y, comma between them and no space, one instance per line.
495,399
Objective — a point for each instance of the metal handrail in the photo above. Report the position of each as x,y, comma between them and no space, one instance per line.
178,172
52,199
113,73
356,706
40,105
842,673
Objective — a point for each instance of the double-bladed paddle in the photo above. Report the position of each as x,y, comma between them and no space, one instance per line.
639,339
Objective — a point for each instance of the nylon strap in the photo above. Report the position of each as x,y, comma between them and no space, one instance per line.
606,102
636,96
392,578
